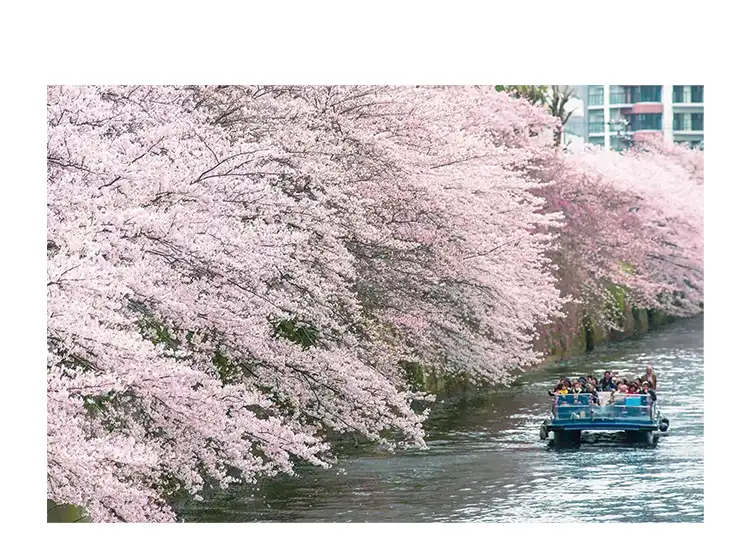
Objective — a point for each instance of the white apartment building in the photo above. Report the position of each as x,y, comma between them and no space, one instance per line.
614,116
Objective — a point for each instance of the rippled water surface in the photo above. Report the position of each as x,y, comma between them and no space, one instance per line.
486,462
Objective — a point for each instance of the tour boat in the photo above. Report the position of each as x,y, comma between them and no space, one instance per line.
636,415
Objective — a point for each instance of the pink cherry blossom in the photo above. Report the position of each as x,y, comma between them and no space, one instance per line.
189,226
633,220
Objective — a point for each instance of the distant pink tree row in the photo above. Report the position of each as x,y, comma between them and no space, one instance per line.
633,222
235,273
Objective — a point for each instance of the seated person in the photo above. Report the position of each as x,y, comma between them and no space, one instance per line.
590,388
607,383
647,390
560,389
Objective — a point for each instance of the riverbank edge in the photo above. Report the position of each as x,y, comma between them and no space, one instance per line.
559,341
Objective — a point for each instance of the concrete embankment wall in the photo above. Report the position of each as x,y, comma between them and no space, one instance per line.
568,337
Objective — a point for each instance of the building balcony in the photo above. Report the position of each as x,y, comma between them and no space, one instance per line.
681,108
644,108
688,103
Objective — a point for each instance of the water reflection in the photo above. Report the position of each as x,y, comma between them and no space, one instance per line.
486,462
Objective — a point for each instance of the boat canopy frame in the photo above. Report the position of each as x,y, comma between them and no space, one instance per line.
625,412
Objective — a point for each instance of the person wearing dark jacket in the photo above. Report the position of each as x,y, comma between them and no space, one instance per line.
647,390
607,383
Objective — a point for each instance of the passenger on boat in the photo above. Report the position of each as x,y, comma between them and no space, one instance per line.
647,390
562,383
650,377
560,389
591,388
607,383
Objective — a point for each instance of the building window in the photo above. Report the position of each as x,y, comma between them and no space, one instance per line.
688,121
696,94
678,94
617,94
644,94
646,121
687,94
597,141
574,125
696,121
596,121
595,95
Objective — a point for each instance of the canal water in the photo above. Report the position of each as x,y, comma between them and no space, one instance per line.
486,462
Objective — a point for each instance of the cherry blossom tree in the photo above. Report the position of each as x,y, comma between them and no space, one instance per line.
634,229
235,273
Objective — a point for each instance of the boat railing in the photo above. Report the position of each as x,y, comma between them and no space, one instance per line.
582,406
